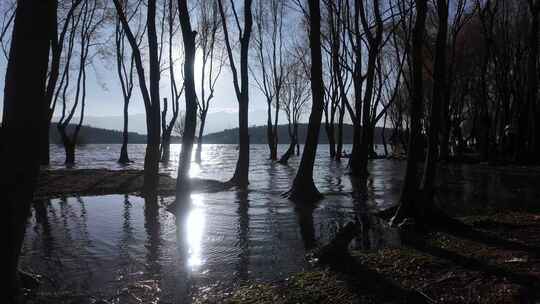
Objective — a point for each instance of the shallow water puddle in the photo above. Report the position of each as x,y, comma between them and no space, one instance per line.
116,245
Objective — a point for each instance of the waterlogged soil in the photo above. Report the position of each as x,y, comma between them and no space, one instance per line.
79,182
498,262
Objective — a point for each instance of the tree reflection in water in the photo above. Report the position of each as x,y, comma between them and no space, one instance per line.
242,200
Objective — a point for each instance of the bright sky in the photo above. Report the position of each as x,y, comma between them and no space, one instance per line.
104,96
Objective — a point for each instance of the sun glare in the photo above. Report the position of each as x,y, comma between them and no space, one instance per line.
195,230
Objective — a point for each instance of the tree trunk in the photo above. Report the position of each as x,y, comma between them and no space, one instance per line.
439,86
124,158
166,147
200,139
339,149
70,153
21,127
290,152
355,166
151,159
445,126
241,173
383,135
303,189
44,144
409,191
240,177
330,134
188,35
270,134
292,144
532,84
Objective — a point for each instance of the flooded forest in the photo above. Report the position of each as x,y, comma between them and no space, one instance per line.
270,151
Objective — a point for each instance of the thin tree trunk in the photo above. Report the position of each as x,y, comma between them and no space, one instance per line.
270,133
124,158
304,189
292,144
383,135
339,150
57,43
188,35
200,139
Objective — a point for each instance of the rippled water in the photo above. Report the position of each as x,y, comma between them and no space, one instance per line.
119,247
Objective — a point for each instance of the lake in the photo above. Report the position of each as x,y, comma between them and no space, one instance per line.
120,248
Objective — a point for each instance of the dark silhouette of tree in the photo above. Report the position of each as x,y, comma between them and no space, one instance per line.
269,55
295,99
410,203
57,46
439,86
188,35
176,89
150,95
20,131
457,24
208,25
125,68
85,28
303,188
532,82
364,83
241,86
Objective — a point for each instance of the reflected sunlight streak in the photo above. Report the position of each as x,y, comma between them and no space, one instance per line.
195,230
194,169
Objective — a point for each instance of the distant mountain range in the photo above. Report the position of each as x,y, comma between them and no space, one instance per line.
257,134
215,121
91,135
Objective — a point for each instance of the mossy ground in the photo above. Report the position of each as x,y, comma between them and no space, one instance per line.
497,263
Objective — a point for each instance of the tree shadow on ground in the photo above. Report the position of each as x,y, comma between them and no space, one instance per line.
490,239
370,286
529,282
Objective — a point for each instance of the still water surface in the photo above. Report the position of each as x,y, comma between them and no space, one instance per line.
121,248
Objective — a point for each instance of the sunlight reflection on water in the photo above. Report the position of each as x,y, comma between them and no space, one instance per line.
90,245
194,227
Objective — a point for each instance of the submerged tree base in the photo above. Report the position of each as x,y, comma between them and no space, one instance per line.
303,192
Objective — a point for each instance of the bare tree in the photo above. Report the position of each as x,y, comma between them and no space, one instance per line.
269,55
176,89
303,188
241,86
296,96
125,68
208,24
90,17
188,36
57,47
409,200
150,95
